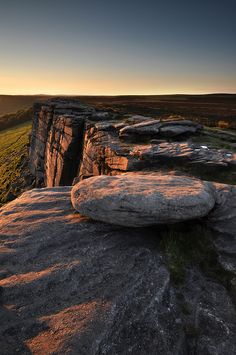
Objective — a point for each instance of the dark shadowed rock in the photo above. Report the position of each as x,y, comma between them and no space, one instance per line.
143,199
222,220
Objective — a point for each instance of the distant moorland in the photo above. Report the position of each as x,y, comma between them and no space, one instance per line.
13,103
211,110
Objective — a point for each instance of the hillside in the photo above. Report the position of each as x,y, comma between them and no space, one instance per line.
13,103
14,173
12,119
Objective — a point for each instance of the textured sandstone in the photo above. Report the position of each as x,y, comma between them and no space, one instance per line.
56,141
143,199
104,153
74,286
71,140
155,128
185,153
223,220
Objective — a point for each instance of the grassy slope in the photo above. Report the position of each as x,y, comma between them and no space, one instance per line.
13,160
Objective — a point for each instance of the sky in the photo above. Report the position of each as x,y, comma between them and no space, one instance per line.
116,47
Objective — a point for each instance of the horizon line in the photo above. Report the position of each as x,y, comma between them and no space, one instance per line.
120,95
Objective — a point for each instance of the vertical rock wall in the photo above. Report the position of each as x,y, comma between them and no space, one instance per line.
56,141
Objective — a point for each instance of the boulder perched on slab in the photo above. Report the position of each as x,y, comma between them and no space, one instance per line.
140,200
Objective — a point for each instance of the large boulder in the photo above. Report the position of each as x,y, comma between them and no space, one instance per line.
140,200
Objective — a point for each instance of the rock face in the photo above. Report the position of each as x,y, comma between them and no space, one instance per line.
75,286
56,141
71,140
223,221
138,200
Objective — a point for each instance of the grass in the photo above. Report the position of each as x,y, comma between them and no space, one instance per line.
13,160
212,142
191,245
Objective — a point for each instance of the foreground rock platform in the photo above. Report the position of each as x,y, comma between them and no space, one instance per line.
138,200
70,285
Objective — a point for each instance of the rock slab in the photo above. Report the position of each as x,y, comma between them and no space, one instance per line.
72,286
137,200
156,128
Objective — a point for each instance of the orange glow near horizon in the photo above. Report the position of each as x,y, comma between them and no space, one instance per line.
102,84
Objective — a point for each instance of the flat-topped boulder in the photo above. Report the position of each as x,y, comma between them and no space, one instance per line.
138,200
157,128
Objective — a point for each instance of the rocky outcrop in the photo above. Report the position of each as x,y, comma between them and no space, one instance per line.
71,140
105,153
138,200
193,158
56,141
157,129
73,286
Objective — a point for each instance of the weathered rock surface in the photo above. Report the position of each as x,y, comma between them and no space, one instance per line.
186,155
104,153
223,220
56,141
143,199
79,287
156,129
71,140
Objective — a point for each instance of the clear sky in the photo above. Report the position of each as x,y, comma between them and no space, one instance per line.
117,46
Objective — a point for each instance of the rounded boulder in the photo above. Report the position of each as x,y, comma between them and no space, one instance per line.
138,200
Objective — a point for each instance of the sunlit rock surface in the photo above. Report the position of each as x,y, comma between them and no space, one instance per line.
158,129
71,140
56,141
70,285
139,200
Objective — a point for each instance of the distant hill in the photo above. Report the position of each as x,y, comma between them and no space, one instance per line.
13,103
